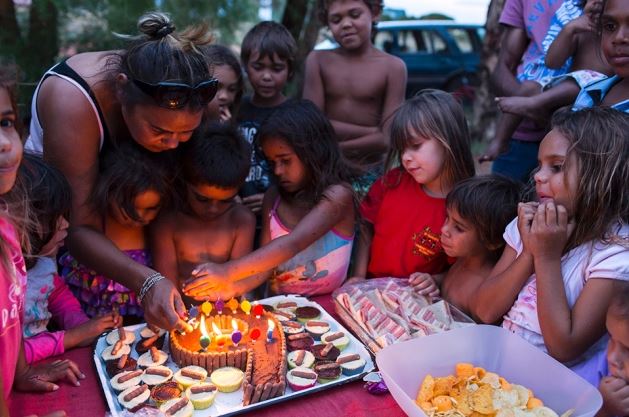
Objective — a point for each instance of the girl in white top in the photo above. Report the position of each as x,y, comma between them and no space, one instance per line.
555,278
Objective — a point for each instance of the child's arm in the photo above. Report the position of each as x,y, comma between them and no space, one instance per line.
566,43
245,222
64,307
334,206
496,294
512,47
162,244
567,332
361,257
42,377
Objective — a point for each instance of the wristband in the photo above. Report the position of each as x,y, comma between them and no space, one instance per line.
148,283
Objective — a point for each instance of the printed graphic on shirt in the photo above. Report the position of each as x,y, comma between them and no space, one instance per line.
426,243
10,315
257,180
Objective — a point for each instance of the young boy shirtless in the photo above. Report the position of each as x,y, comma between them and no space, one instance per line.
211,226
479,209
356,85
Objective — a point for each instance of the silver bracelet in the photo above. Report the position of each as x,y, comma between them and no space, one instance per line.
148,283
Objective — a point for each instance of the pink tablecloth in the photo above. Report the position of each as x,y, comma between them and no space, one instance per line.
88,400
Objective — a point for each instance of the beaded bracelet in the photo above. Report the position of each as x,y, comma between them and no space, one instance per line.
148,283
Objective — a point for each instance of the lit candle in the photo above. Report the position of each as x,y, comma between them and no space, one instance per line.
205,337
258,310
236,334
254,335
219,305
206,308
232,304
245,306
269,333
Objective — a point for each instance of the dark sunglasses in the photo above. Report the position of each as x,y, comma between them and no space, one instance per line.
176,95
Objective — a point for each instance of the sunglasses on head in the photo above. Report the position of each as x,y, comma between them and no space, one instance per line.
174,95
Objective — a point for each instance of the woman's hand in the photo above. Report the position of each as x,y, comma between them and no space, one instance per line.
424,284
164,308
254,202
42,377
209,281
526,214
548,231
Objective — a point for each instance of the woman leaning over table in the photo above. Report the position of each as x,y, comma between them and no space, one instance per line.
152,92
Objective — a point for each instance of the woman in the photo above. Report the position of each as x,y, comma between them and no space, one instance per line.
154,93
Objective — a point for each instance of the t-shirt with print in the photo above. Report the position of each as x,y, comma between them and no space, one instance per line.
407,227
250,119
12,292
590,260
534,16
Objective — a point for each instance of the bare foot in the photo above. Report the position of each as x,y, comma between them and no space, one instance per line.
523,106
495,148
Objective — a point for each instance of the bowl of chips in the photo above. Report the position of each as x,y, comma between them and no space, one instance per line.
510,361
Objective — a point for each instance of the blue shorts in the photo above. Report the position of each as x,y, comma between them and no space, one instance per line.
518,162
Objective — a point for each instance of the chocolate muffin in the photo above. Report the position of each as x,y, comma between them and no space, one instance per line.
327,371
307,313
166,391
299,341
111,366
330,355
141,348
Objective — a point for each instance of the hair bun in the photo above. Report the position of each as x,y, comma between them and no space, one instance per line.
156,24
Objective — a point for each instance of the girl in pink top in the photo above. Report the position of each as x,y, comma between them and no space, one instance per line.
46,195
14,371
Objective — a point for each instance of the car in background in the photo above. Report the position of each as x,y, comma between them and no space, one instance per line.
438,53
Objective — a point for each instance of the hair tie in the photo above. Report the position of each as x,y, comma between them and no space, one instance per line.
165,30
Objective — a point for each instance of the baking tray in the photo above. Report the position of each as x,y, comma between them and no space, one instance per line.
231,404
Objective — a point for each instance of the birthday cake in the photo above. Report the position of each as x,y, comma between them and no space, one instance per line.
258,349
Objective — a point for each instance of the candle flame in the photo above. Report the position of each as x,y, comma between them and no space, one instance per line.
234,324
216,330
203,327
271,325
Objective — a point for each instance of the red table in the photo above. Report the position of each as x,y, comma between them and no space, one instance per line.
88,400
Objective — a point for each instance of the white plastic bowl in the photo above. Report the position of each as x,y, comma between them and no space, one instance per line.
404,366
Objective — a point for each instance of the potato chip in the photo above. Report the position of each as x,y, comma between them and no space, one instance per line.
444,385
482,400
543,412
479,372
426,390
491,379
523,394
462,399
442,402
504,384
503,399
534,403
464,370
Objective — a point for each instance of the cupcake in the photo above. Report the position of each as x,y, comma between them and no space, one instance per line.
153,357
202,395
227,379
165,392
177,407
325,352
299,341
283,315
268,308
126,379
301,378
190,375
300,358
154,375
292,327
113,336
327,371
122,364
338,339
351,364
307,313
317,328
134,397
115,352
144,345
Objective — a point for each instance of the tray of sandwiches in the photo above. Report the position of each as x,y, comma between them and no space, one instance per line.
236,356
384,311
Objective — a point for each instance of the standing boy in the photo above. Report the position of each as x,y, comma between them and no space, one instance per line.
268,56
356,85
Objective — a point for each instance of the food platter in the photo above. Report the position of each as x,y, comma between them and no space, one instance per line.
227,404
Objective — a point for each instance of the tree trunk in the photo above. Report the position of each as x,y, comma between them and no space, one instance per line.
300,18
10,39
485,109
42,44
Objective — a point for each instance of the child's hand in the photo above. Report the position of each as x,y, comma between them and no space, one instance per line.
207,280
424,284
581,24
526,214
85,334
254,202
615,392
549,231
224,114
41,377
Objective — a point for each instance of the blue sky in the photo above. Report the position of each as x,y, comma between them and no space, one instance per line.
465,11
